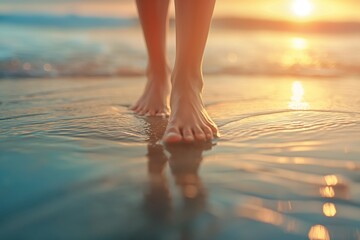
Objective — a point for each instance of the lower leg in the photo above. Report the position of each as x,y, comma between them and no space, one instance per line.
154,21
189,120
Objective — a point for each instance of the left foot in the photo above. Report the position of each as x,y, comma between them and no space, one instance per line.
155,98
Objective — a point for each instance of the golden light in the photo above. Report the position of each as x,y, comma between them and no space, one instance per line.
327,192
319,232
329,209
299,43
331,180
297,55
298,91
302,8
297,102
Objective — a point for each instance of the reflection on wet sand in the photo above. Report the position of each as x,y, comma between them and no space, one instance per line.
157,201
327,192
184,161
329,209
161,204
334,187
319,232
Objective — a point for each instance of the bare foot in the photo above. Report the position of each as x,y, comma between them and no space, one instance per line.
189,121
155,99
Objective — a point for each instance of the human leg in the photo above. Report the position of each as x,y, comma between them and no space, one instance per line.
154,21
189,120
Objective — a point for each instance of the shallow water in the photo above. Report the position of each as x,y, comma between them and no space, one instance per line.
286,167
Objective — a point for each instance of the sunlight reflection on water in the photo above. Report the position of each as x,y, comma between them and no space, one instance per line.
329,209
297,102
299,43
319,232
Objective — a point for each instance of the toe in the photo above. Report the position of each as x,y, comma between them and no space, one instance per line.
133,108
142,112
138,109
167,113
199,134
188,135
172,135
161,113
151,113
208,132
214,129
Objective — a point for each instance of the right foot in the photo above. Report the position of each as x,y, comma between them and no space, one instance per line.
189,121
155,99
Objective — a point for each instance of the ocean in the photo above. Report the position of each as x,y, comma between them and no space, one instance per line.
57,45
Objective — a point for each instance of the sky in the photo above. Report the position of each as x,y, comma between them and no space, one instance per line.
291,10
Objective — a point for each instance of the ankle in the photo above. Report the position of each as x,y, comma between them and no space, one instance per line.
158,69
185,81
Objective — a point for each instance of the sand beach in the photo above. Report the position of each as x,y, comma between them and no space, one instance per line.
73,157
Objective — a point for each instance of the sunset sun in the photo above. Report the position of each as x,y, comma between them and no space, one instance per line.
302,8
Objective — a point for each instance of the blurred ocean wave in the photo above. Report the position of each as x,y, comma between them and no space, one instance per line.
72,20
49,45
63,21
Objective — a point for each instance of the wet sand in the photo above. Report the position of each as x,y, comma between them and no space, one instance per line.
77,164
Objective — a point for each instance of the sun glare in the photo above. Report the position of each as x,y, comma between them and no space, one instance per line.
302,8
297,102
299,43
